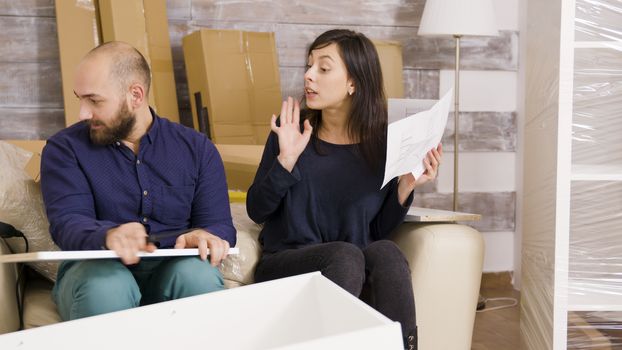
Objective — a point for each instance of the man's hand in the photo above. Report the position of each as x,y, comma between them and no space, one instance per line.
127,240
218,248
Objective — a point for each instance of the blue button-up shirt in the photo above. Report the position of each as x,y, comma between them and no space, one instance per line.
176,182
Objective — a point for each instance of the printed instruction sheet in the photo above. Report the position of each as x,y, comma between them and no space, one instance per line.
415,127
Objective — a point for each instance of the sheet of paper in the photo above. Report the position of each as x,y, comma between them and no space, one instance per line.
415,127
96,254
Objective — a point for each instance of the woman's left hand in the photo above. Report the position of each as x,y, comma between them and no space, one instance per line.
407,182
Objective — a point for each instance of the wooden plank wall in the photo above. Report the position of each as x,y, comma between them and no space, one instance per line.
31,104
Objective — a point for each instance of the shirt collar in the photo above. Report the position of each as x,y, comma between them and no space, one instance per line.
152,133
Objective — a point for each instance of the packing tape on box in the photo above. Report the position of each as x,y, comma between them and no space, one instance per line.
86,4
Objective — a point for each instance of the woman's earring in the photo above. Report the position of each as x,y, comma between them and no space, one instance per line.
350,92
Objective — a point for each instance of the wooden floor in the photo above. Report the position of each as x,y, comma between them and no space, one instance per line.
497,329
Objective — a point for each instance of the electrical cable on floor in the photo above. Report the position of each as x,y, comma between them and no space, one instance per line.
513,303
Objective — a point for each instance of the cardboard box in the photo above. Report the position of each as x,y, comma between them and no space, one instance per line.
236,74
302,312
144,25
124,20
390,54
78,33
161,59
33,168
261,132
241,163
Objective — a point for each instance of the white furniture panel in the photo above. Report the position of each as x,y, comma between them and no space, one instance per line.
300,312
572,239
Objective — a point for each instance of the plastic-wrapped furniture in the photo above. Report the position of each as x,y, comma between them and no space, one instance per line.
571,290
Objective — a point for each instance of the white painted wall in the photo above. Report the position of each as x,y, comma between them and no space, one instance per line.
485,91
490,91
479,172
499,251
482,91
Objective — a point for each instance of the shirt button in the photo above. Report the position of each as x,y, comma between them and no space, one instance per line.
145,193
137,161
118,143
144,219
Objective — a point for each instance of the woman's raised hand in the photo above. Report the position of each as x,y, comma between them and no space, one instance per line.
291,141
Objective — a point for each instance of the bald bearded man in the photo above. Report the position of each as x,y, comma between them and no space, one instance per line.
122,175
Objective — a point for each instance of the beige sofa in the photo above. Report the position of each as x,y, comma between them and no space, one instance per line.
445,260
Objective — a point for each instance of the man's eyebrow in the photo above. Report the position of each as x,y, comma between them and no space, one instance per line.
87,95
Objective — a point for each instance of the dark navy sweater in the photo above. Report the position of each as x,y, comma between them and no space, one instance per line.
177,181
330,195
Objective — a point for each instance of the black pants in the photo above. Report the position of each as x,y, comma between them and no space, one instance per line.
379,274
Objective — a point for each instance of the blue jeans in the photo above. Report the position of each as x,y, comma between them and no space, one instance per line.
93,287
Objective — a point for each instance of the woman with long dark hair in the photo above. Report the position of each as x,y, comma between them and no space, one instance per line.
317,189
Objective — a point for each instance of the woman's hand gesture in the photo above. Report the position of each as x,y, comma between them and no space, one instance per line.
291,141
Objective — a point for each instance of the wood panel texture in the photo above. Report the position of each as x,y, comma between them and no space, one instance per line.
28,39
22,8
483,132
30,123
33,85
366,12
496,208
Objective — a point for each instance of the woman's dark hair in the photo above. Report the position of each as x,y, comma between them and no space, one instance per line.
368,118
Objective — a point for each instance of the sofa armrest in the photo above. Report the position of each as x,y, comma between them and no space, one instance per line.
446,267
238,270
9,316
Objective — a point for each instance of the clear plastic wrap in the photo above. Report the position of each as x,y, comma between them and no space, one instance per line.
571,292
238,269
595,242
21,205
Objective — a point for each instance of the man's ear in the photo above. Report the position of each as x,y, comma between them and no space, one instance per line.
137,95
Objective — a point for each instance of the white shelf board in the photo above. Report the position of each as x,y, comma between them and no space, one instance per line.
592,301
96,254
417,214
589,172
616,45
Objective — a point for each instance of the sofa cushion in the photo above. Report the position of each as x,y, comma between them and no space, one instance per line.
240,268
21,205
9,320
39,308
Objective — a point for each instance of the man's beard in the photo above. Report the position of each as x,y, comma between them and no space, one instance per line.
121,127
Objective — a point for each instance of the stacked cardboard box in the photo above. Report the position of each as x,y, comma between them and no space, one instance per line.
233,83
78,33
241,162
141,23
390,54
